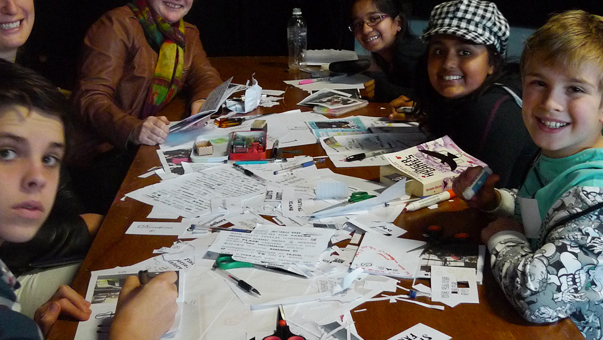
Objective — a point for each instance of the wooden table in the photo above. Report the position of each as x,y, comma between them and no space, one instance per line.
492,318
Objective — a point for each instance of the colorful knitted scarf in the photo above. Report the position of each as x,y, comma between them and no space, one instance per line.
168,41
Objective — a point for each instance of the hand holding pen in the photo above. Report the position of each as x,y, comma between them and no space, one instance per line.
147,310
486,198
300,166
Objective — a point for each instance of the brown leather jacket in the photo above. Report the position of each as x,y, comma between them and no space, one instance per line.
116,71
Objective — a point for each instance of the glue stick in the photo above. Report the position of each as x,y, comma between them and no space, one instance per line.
477,183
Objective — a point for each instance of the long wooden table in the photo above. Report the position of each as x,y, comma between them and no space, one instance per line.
492,318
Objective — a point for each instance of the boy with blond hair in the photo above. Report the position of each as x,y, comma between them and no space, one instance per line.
561,198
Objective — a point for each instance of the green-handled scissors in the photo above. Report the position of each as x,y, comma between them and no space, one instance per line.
354,198
360,196
226,262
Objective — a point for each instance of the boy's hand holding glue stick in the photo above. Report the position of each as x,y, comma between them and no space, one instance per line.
476,187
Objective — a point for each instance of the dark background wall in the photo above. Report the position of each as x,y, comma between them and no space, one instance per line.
238,27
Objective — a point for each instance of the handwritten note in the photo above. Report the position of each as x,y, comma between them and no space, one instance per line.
156,228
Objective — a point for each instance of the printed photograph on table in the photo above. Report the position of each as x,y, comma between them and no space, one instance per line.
336,101
337,127
465,256
107,287
171,160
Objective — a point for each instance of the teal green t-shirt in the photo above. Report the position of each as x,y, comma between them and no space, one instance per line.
549,178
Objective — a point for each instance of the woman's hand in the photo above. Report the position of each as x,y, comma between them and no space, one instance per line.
145,312
500,224
152,131
397,107
196,106
65,302
368,91
486,198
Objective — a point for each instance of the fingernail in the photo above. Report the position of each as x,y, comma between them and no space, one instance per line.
54,308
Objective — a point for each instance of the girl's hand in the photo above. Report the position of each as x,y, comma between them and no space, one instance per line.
145,312
487,198
368,91
65,302
397,107
152,131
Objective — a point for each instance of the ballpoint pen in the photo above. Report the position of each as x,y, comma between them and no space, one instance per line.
299,166
264,161
240,283
361,156
248,173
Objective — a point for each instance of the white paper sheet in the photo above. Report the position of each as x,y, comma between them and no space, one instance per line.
383,255
189,195
275,245
156,228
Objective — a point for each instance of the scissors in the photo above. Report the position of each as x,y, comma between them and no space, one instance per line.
282,331
434,234
354,198
226,262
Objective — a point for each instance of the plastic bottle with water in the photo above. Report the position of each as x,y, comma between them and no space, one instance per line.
297,39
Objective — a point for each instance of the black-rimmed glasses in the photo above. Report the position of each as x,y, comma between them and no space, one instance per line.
372,21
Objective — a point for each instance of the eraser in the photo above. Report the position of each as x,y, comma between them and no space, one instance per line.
259,125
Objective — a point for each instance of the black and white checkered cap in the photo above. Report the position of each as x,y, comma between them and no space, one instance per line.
478,21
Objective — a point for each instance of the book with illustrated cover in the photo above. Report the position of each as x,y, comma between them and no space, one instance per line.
432,165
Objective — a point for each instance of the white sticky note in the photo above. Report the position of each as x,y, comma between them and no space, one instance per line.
156,228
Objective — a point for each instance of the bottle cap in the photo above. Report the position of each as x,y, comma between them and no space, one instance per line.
297,11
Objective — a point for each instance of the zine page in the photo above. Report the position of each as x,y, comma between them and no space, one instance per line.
453,285
388,256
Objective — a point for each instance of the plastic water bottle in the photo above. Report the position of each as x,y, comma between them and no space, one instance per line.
297,39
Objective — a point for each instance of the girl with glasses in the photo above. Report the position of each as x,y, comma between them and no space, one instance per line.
381,27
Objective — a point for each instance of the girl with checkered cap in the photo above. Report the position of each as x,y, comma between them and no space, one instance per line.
465,90
381,27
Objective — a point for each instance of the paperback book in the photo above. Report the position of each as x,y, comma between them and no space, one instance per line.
432,165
